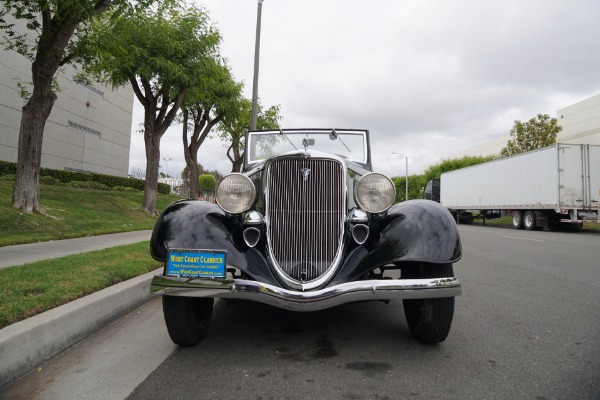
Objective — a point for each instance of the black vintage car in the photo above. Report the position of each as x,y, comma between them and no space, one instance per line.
307,225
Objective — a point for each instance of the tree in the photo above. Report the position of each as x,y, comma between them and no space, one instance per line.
436,170
233,128
416,183
54,29
162,54
533,134
207,106
207,183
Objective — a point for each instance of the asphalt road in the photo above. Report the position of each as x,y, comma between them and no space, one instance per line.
526,327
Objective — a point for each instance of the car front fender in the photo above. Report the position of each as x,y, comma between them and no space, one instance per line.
415,230
200,225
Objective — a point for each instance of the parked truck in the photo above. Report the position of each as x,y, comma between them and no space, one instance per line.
544,188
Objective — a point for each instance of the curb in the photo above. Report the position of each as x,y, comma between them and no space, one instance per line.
27,343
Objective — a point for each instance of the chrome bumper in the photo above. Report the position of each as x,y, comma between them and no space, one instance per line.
307,301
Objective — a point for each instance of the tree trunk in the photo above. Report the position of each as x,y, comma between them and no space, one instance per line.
194,176
152,142
55,35
237,160
202,126
26,194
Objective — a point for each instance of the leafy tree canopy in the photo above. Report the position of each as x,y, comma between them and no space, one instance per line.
416,183
49,23
530,135
436,170
164,53
49,33
207,183
233,127
164,48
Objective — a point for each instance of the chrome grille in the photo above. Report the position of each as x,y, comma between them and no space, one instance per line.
305,213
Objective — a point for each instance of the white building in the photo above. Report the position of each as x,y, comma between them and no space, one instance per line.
580,122
89,128
580,125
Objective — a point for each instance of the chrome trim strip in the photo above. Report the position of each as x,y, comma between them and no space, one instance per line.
307,301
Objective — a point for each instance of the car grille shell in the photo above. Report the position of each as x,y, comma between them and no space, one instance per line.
305,210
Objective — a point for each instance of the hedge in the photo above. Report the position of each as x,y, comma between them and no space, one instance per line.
8,168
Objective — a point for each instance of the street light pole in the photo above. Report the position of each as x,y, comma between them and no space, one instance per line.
256,63
166,160
406,173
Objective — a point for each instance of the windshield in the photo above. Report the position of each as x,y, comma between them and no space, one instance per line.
344,143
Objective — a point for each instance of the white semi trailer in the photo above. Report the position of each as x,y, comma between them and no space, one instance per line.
542,188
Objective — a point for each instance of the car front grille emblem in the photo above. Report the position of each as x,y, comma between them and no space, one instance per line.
305,173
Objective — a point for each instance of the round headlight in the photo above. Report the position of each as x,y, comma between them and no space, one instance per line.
235,193
375,193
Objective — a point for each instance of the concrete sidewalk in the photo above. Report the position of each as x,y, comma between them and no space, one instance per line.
31,252
27,343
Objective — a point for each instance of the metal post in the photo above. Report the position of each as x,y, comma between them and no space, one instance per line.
166,160
406,174
256,63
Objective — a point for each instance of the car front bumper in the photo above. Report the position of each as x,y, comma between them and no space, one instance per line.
328,297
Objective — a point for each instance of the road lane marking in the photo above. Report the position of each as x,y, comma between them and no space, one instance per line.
522,238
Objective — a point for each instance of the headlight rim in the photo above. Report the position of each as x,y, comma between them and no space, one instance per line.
370,209
249,203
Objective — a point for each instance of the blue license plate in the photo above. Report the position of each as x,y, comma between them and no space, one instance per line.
196,263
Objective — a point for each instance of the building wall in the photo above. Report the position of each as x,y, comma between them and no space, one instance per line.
89,128
580,123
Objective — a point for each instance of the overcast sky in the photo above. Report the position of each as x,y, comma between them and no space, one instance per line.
428,78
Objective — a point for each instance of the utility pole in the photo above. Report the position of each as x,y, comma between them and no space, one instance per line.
256,63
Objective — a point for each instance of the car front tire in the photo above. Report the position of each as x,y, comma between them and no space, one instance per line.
430,320
187,318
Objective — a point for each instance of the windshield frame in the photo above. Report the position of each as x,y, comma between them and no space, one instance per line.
249,163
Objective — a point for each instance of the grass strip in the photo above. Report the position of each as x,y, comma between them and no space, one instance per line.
77,213
31,289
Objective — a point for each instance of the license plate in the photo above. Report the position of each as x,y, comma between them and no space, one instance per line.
196,263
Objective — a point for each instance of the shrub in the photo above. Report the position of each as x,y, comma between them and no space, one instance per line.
207,183
9,177
8,168
88,185
49,180
124,189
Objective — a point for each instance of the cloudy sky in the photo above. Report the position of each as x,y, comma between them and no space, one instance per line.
428,78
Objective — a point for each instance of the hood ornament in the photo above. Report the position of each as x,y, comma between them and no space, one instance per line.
307,142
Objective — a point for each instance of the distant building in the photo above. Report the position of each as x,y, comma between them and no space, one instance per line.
580,124
88,130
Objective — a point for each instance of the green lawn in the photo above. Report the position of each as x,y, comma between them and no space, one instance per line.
77,212
30,289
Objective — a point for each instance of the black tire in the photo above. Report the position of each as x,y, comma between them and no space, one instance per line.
575,227
517,219
466,218
187,318
429,320
529,221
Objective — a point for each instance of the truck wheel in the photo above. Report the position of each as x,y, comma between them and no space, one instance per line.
429,320
529,220
575,227
187,318
517,219
466,218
